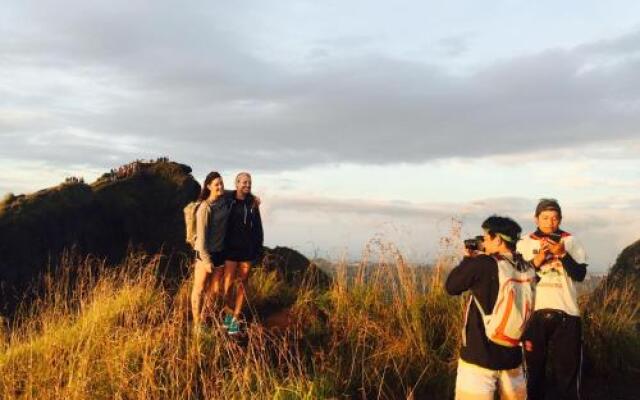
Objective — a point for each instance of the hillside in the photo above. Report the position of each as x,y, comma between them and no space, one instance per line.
627,265
138,206
623,277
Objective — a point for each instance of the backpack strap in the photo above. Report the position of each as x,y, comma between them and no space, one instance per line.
497,259
482,313
475,299
466,321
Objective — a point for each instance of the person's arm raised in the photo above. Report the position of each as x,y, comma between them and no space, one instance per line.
462,277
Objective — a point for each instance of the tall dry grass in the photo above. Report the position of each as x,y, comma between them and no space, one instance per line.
117,333
612,331
383,331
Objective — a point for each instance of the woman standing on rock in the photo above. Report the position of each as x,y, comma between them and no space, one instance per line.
243,245
212,215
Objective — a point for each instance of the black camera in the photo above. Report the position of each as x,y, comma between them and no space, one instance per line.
474,244
556,237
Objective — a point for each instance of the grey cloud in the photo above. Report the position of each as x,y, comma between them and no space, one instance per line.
396,209
454,46
348,42
189,84
627,44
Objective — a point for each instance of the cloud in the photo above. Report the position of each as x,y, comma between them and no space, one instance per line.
454,46
346,225
624,45
324,205
182,81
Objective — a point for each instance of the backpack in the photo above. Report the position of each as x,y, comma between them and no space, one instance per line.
514,305
190,222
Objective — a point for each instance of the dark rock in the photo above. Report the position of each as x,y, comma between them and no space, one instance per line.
624,273
294,267
627,264
141,211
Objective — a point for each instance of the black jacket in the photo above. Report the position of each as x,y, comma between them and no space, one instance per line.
244,228
480,275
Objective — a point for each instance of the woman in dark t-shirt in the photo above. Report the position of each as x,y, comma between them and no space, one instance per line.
212,215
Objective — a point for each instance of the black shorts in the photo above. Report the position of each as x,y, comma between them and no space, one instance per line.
217,258
241,255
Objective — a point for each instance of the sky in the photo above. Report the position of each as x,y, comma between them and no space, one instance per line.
359,120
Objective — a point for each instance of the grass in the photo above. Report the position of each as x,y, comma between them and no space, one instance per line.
384,332
612,331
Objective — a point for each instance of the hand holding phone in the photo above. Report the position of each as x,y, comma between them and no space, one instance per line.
555,237
554,245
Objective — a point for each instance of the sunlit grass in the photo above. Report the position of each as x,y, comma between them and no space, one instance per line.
385,331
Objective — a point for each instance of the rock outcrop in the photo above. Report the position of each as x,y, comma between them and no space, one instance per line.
623,278
140,211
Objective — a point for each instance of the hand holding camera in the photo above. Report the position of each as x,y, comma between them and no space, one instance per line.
473,246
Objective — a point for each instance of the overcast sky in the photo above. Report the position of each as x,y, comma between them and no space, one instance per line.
357,119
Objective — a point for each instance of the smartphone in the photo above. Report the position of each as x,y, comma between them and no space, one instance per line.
556,237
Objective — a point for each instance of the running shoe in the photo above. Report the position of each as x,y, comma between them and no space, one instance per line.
227,321
234,326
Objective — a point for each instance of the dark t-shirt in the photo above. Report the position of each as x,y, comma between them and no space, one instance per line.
219,215
480,275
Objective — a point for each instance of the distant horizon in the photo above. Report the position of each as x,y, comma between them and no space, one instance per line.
388,232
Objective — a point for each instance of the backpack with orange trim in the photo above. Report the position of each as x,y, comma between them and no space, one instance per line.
514,304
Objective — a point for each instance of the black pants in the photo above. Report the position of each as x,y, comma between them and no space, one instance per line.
556,337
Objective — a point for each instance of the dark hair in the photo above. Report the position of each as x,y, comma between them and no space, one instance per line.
508,229
205,192
548,205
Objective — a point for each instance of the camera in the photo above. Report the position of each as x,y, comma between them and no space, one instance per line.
556,237
474,244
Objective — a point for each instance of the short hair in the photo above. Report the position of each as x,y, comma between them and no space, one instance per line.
508,229
241,174
548,205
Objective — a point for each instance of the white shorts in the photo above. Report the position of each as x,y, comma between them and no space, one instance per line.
478,383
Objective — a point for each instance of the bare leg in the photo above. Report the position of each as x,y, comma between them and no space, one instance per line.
227,280
215,282
212,291
199,283
241,282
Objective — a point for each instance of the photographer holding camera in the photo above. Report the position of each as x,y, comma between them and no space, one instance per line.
560,261
501,285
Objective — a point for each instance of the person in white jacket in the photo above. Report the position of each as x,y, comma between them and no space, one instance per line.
560,261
